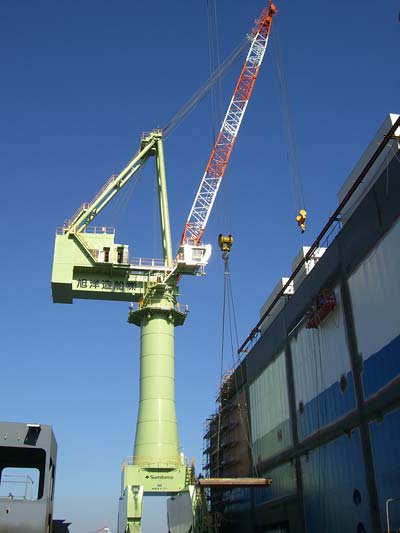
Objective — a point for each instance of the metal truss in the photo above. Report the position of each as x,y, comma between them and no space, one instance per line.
221,152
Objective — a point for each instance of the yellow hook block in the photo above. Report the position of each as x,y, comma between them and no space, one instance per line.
301,220
225,242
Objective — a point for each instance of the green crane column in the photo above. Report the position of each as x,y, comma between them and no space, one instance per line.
163,204
156,429
156,441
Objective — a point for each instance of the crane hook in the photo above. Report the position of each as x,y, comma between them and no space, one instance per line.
301,220
225,243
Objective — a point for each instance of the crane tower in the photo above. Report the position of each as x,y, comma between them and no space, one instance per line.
89,264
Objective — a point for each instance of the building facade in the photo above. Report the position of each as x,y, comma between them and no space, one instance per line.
322,388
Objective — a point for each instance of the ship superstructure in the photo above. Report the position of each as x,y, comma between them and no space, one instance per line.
322,374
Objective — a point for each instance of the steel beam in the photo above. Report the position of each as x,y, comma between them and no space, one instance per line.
230,482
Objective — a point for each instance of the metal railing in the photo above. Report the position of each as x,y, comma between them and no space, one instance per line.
149,263
109,230
81,208
156,303
152,462
11,483
147,134
110,180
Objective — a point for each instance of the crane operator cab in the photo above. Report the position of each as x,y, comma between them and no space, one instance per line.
192,258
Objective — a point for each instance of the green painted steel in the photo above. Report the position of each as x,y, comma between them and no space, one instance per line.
78,272
89,264
89,212
163,204
130,505
156,431
156,479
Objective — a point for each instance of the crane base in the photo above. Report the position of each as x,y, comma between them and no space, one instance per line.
160,480
137,481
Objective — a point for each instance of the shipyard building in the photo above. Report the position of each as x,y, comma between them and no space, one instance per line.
315,403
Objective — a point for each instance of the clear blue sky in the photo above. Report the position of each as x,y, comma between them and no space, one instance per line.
80,82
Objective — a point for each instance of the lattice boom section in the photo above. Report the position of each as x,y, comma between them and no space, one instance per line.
221,152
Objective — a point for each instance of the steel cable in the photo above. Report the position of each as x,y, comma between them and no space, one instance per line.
229,314
221,70
122,199
287,117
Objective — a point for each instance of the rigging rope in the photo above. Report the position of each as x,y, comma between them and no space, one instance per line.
221,374
212,68
287,116
214,61
228,313
122,199
216,76
182,113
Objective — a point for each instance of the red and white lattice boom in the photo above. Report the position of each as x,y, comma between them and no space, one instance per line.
221,152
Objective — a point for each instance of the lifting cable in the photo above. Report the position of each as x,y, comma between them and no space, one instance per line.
229,316
214,53
221,374
220,71
224,215
287,118
121,200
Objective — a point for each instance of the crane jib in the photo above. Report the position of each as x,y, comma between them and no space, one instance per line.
220,154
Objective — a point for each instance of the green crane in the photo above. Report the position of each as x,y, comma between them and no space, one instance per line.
88,264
